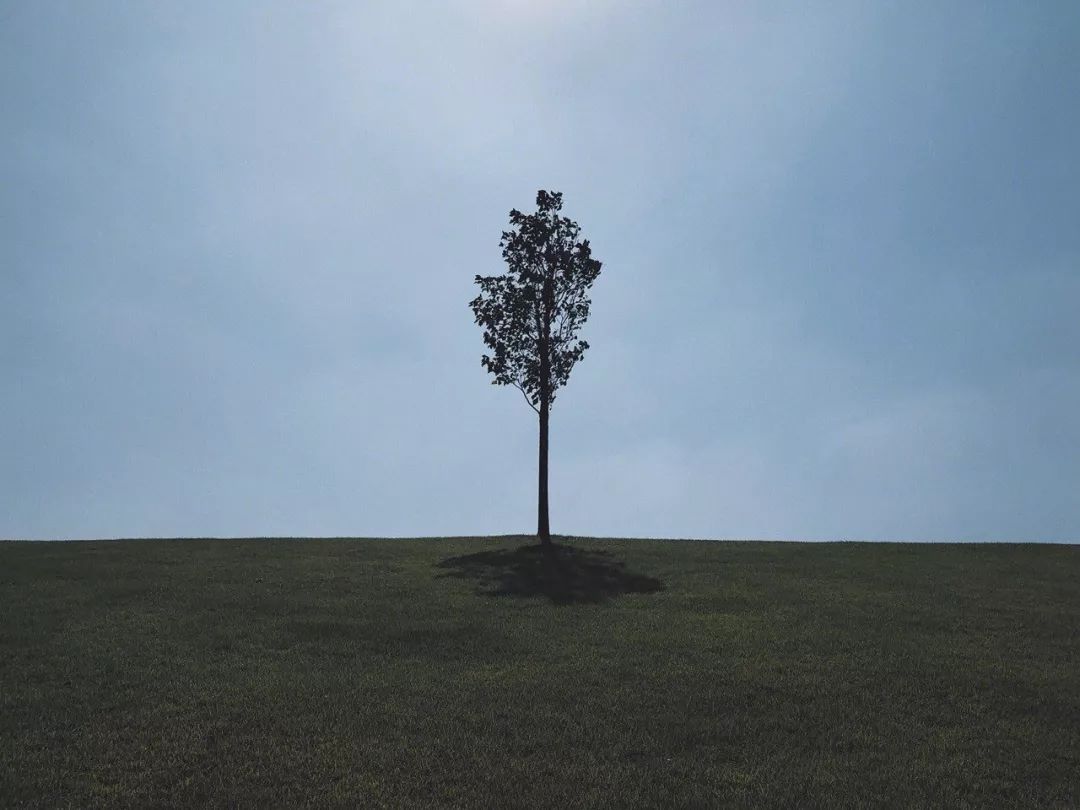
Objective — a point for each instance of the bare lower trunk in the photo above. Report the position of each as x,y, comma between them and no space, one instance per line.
543,528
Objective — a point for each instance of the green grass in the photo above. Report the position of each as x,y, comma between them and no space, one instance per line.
647,673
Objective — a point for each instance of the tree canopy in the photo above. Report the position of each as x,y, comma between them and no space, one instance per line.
532,313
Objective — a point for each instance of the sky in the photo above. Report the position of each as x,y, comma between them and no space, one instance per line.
839,299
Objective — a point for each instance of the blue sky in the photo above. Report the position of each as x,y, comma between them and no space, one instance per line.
839,301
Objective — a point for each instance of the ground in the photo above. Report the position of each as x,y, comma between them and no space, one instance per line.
482,672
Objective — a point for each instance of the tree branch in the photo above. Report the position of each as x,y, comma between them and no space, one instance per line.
526,396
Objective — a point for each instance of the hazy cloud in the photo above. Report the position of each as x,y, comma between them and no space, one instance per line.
839,299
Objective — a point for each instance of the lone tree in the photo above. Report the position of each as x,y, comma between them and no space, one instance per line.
531,315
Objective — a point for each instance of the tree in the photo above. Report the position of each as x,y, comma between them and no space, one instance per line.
531,315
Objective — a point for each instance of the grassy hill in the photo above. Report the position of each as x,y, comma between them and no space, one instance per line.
476,672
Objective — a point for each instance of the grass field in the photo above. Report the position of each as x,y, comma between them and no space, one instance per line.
474,672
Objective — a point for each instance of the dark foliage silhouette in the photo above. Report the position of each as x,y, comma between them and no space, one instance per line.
532,313
564,574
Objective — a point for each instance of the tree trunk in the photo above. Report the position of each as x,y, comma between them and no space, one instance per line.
543,324
543,529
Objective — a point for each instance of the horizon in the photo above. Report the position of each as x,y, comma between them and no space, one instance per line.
839,295
556,538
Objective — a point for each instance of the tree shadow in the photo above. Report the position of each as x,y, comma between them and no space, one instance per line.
564,574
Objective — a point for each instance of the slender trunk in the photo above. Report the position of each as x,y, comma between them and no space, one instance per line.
543,529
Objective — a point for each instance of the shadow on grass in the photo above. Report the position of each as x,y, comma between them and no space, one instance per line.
564,574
